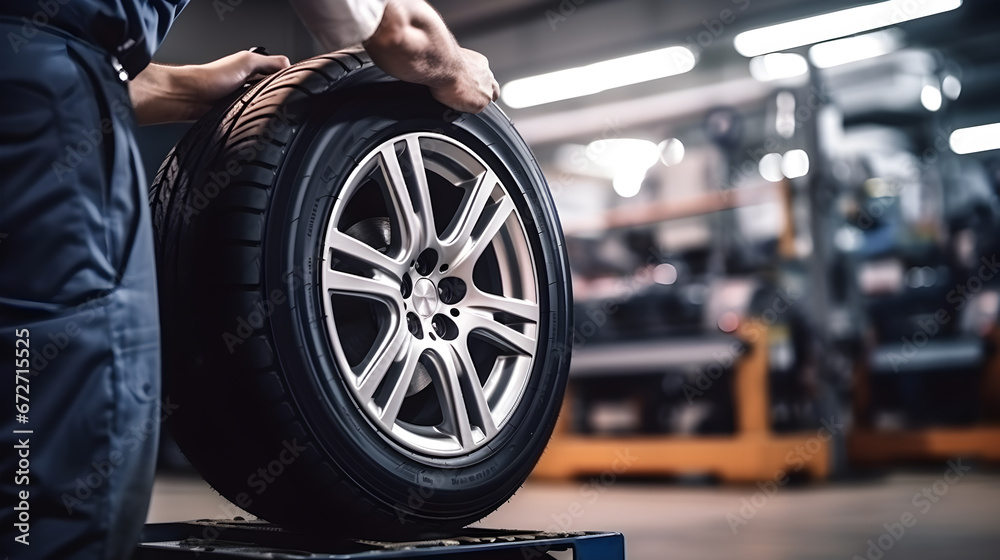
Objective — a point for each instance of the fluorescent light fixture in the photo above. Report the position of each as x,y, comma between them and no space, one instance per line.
777,66
623,153
976,139
795,164
853,49
597,77
930,98
770,167
834,25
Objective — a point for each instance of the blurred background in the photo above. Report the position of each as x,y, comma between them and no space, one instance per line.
783,222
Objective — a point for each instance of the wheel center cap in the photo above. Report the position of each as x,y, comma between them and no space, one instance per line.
425,297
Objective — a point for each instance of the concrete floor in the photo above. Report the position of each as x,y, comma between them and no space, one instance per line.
948,516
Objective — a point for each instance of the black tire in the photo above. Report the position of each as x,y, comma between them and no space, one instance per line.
264,413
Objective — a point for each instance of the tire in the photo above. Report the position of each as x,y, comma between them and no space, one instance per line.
302,258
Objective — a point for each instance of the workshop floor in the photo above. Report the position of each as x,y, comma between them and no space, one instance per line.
957,518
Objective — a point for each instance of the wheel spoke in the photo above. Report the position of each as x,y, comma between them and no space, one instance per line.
421,192
345,246
519,308
386,355
500,334
381,287
453,405
401,383
472,389
497,215
469,213
398,192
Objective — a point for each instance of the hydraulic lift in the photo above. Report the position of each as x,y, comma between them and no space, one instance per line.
754,452
244,539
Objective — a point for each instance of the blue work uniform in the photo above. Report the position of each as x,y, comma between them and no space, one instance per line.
79,329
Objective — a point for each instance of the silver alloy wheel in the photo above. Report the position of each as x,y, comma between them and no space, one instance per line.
454,296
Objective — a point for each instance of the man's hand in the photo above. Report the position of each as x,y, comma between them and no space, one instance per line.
181,93
473,85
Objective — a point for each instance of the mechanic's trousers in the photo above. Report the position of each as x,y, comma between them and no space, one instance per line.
79,331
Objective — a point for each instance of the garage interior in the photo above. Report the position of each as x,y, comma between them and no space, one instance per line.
784,253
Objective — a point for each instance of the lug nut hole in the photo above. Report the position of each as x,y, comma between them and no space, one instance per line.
413,325
406,286
426,262
452,290
444,327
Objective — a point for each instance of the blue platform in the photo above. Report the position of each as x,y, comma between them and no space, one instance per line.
214,539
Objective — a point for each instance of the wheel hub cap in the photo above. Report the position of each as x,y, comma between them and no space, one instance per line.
425,298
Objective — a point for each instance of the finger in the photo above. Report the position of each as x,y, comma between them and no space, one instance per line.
496,90
262,64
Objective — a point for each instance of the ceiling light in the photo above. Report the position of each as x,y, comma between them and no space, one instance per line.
853,49
834,25
671,152
976,139
628,183
626,160
795,163
729,321
770,167
665,274
930,98
777,66
597,77
784,117
951,87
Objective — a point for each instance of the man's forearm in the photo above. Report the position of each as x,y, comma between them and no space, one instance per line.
157,93
413,44
410,42
162,94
